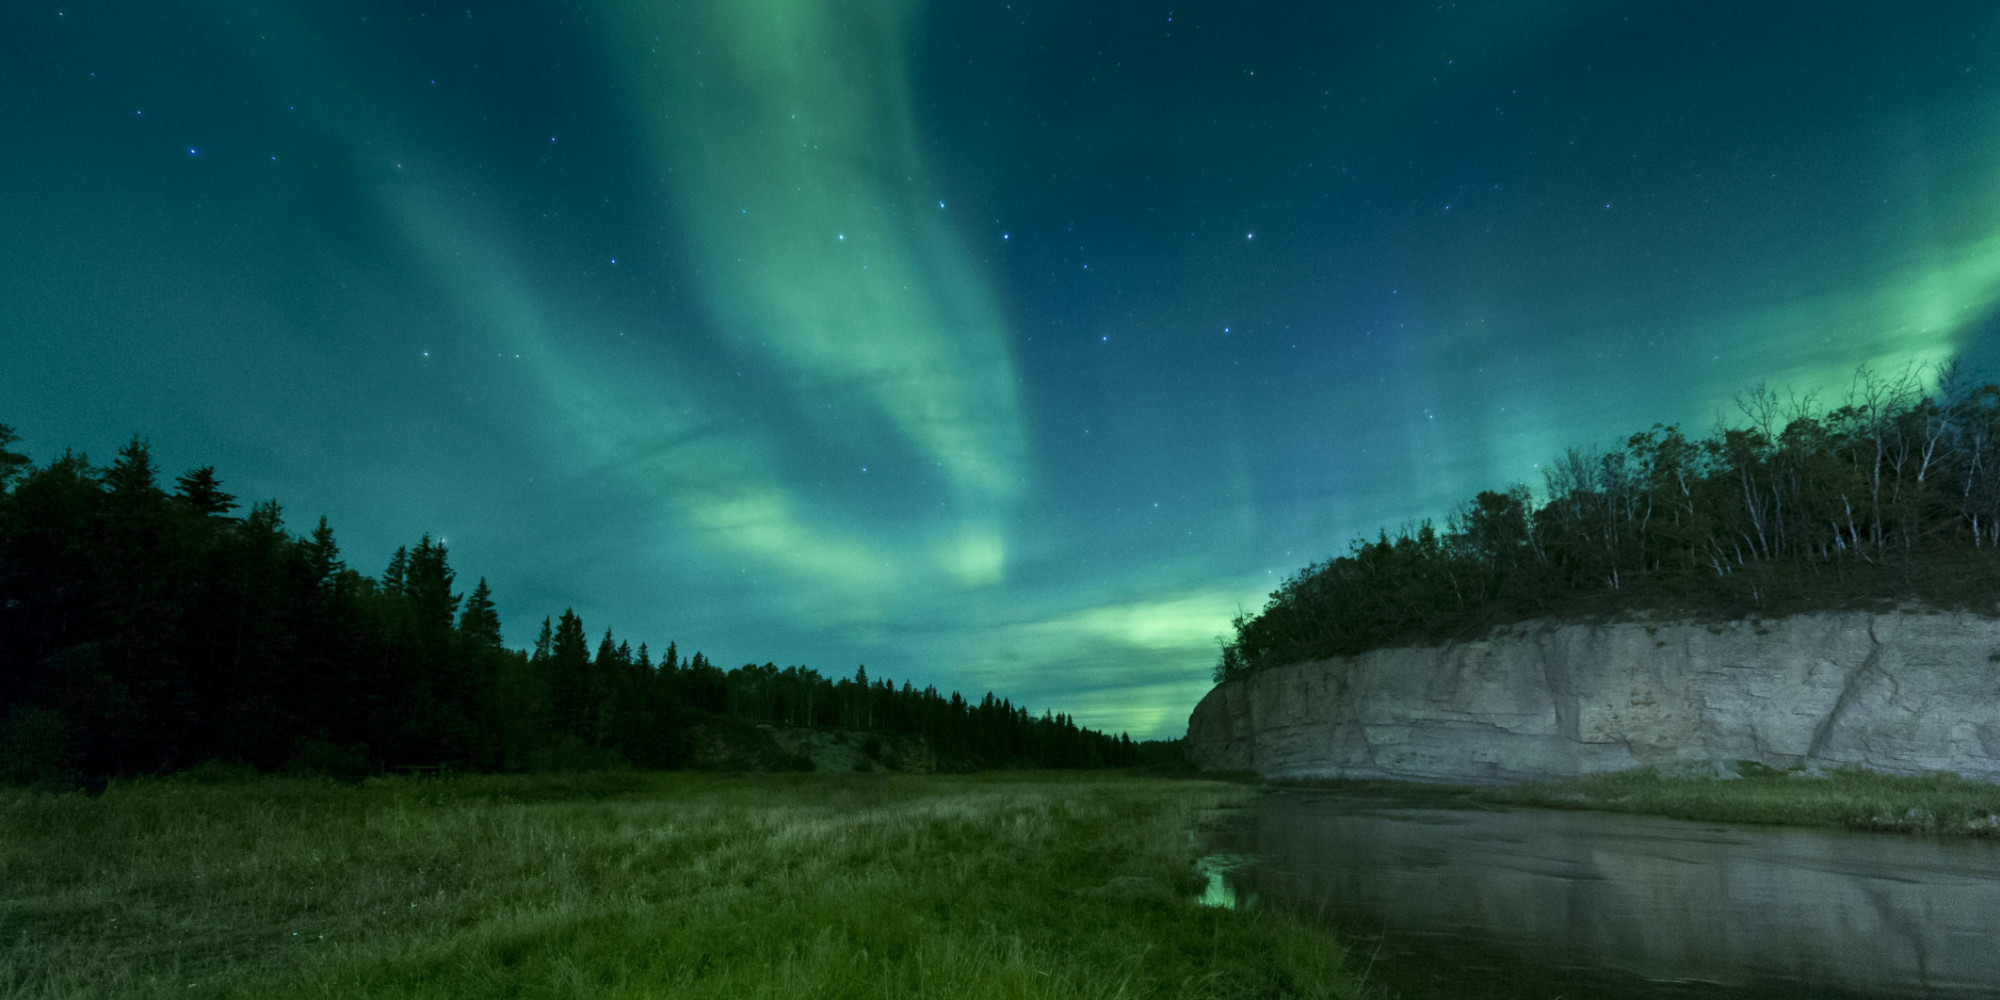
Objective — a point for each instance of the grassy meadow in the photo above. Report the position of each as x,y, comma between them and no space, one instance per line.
1849,797
635,885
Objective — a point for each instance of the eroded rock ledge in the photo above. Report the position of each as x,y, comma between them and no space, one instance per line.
1902,692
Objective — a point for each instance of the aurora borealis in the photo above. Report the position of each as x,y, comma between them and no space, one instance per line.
993,345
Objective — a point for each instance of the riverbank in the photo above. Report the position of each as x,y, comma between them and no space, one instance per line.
621,884
1849,797
1901,691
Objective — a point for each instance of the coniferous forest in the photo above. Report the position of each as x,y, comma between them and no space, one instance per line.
146,627
1892,495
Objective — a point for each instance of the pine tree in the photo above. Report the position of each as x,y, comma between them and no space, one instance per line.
427,583
322,556
571,686
480,622
267,519
200,490
12,463
544,643
392,578
132,475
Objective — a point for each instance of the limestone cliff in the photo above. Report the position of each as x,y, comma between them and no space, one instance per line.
1897,692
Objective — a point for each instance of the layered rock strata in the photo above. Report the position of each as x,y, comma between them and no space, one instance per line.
1902,692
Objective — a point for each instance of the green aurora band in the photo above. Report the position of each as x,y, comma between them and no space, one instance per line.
793,160
787,173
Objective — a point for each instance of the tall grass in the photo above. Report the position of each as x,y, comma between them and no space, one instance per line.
629,885
1849,797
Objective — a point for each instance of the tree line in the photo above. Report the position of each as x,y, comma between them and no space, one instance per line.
145,629
1892,495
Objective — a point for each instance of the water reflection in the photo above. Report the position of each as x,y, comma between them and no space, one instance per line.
1451,898
1215,869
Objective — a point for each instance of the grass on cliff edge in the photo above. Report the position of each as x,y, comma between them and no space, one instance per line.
1849,797
635,885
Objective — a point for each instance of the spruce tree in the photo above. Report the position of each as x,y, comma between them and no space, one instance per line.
392,577
427,584
322,556
544,643
479,624
569,677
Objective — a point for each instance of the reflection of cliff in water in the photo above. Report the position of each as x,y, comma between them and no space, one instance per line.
1780,911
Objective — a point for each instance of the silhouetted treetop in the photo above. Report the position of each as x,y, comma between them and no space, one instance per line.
1892,495
143,631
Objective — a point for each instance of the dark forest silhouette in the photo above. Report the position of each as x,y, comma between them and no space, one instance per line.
1892,496
145,630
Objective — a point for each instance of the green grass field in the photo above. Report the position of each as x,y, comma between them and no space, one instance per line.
1851,798
636,885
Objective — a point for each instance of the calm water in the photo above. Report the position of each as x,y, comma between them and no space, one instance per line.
1440,896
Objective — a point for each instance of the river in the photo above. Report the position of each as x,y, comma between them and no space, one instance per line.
1439,895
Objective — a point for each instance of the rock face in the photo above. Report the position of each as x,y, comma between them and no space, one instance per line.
1903,693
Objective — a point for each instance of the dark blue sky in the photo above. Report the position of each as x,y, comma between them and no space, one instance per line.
994,345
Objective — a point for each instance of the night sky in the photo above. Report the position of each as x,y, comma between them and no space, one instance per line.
992,345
